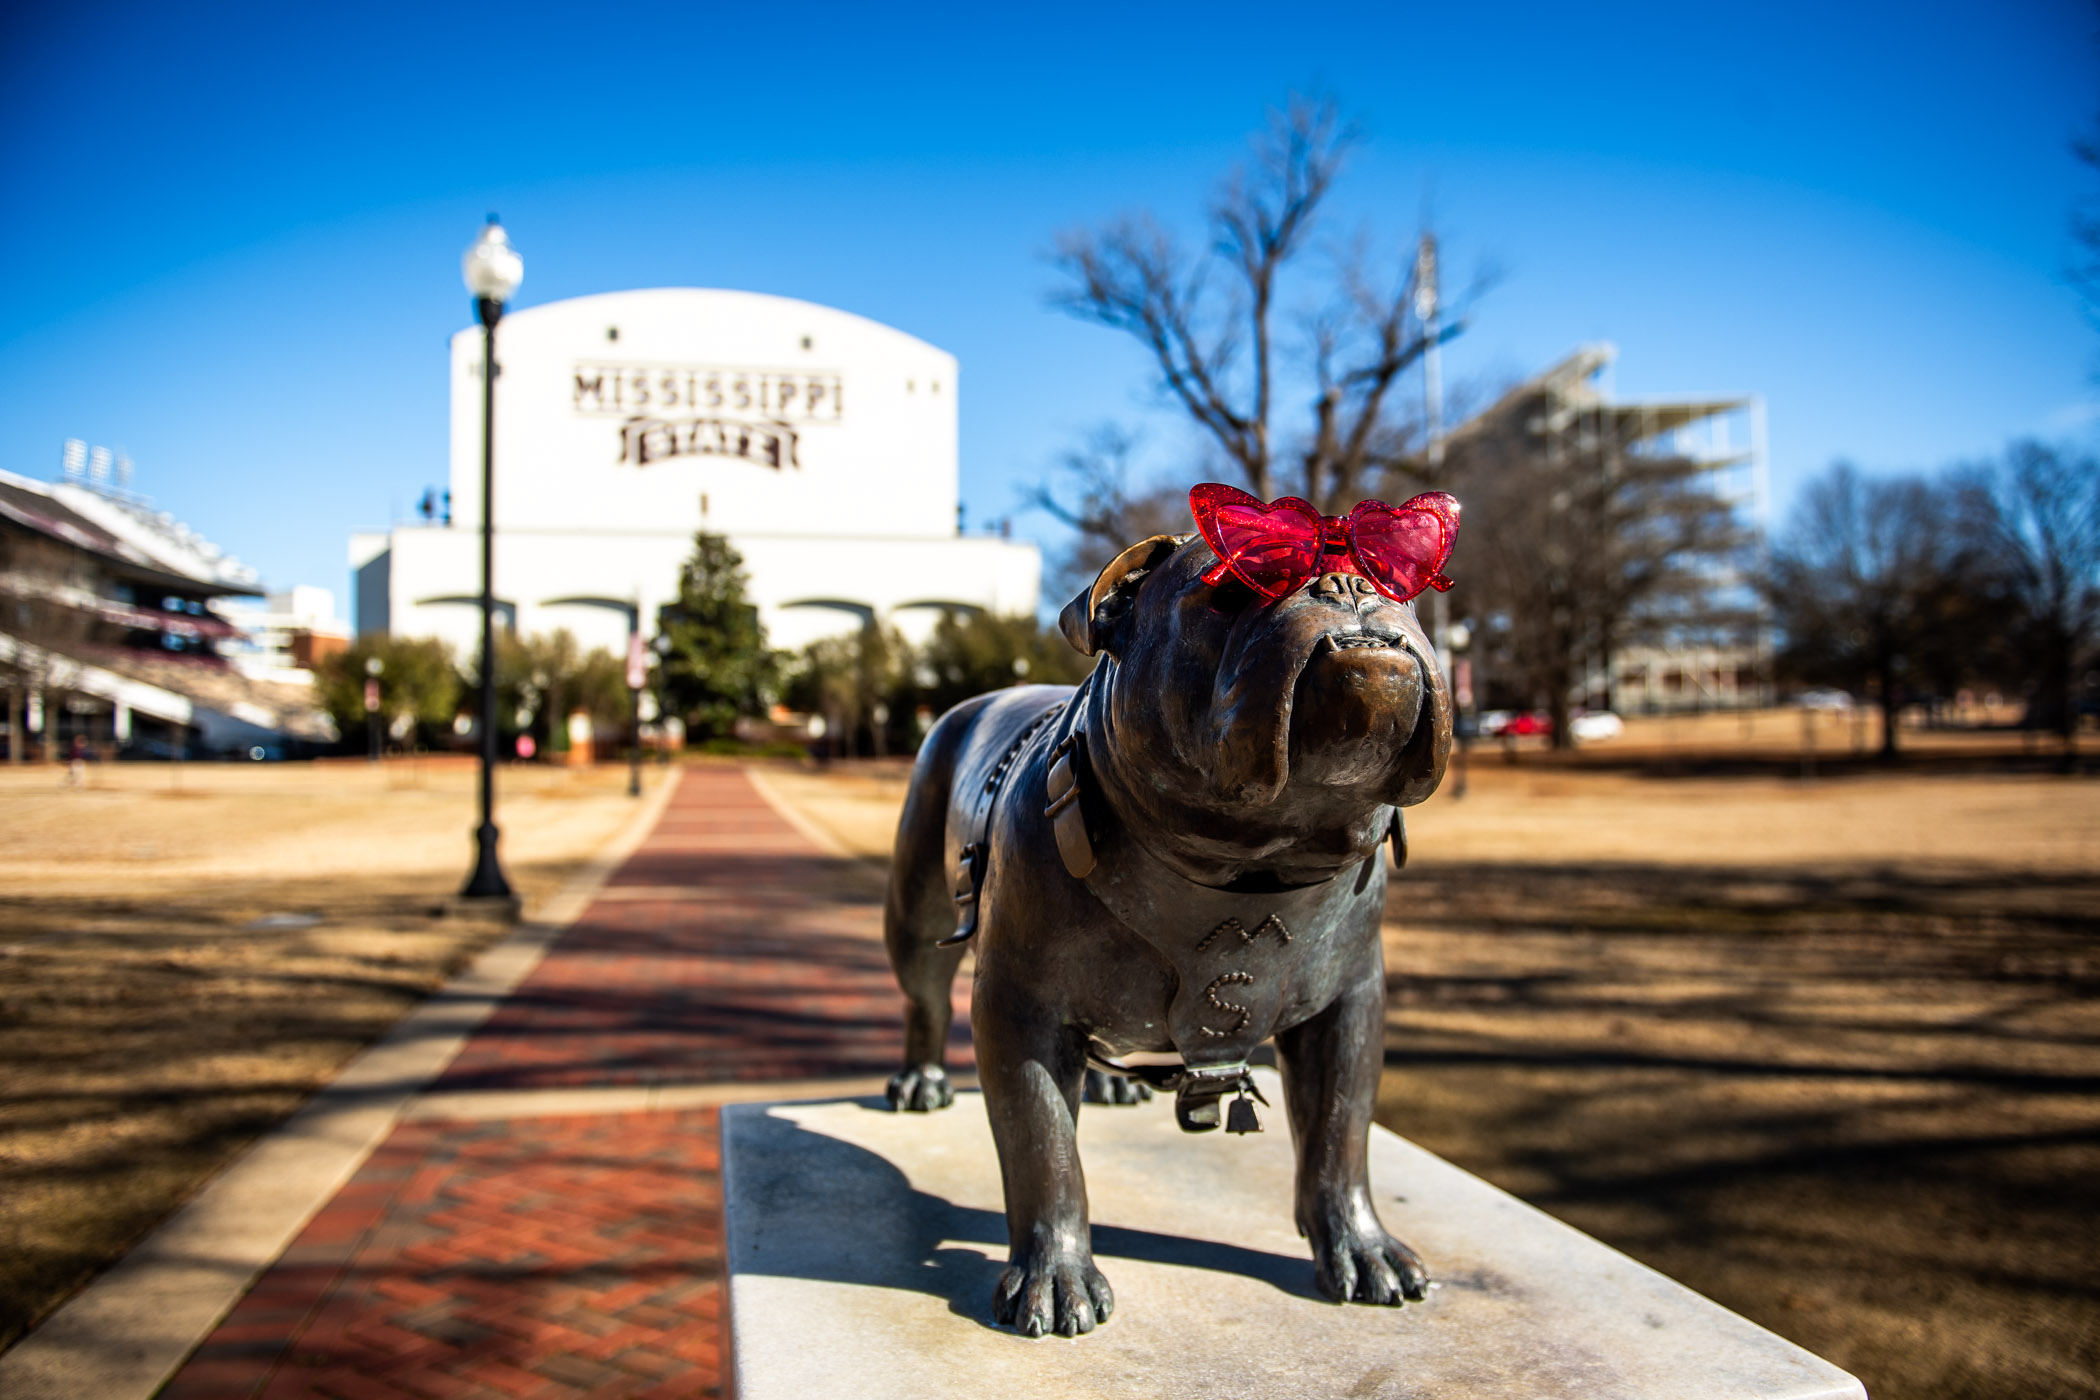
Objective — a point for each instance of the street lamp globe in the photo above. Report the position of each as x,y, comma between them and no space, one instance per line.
492,267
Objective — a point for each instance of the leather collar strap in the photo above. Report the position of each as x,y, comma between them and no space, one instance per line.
975,857
1066,813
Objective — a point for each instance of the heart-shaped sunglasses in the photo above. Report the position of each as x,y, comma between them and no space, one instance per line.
1277,547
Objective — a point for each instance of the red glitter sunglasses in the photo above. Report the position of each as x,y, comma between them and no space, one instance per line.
1277,547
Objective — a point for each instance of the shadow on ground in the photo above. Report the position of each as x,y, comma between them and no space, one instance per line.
855,1219
1860,1108
145,1040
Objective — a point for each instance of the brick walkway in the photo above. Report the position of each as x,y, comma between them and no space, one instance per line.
579,1255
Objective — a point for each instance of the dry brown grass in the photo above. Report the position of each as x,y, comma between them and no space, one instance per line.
1858,1107
186,953
1828,1052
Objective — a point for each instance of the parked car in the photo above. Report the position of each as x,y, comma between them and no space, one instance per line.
1596,726
1823,700
1529,722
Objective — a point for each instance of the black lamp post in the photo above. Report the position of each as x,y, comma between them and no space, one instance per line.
1459,638
374,667
637,677
493,270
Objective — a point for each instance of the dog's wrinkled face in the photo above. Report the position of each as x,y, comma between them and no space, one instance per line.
1328,693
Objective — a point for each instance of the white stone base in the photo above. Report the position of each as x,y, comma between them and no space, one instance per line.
862,1246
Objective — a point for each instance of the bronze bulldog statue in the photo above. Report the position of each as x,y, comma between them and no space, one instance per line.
1166,866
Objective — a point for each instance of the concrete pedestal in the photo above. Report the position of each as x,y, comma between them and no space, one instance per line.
862,1247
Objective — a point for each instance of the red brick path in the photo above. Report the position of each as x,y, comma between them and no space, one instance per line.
578,1256
529,1257
726,948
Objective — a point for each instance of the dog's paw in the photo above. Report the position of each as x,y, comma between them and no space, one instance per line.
1102,1087
920,1089
1062,1294
1353,1264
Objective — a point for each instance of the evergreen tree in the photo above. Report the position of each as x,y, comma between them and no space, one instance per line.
716,664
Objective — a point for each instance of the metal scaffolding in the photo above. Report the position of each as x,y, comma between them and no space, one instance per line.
1571,411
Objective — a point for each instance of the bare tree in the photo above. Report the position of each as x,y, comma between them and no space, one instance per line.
1867,581
1209,319
1576,545
1091,492
2040,510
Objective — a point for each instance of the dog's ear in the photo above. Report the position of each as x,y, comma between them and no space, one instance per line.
1090,620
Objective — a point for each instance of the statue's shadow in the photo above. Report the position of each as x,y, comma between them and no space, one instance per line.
814,1207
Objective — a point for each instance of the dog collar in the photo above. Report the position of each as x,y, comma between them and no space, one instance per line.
1234,952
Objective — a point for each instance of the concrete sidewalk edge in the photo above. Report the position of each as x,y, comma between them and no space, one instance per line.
125,1334
808,829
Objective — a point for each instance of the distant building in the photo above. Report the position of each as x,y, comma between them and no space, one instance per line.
1569,413
112,629
823,445
285,637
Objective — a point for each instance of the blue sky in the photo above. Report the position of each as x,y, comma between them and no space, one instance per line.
231,235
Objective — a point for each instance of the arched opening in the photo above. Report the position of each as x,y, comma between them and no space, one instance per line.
799,622
917,618
595,629
506,610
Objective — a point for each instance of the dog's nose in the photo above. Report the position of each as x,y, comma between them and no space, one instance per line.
1343,588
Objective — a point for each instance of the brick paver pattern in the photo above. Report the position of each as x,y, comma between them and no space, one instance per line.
532,1257
529,1259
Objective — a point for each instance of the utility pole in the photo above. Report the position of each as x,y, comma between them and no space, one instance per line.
1433,416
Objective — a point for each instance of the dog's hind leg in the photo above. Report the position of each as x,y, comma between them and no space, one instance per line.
1330,1082
1102,1087
917,915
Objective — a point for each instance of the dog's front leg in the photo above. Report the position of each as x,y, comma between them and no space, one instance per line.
1031,1064
1330,1082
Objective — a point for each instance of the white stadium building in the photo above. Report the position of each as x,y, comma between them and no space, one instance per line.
823,445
